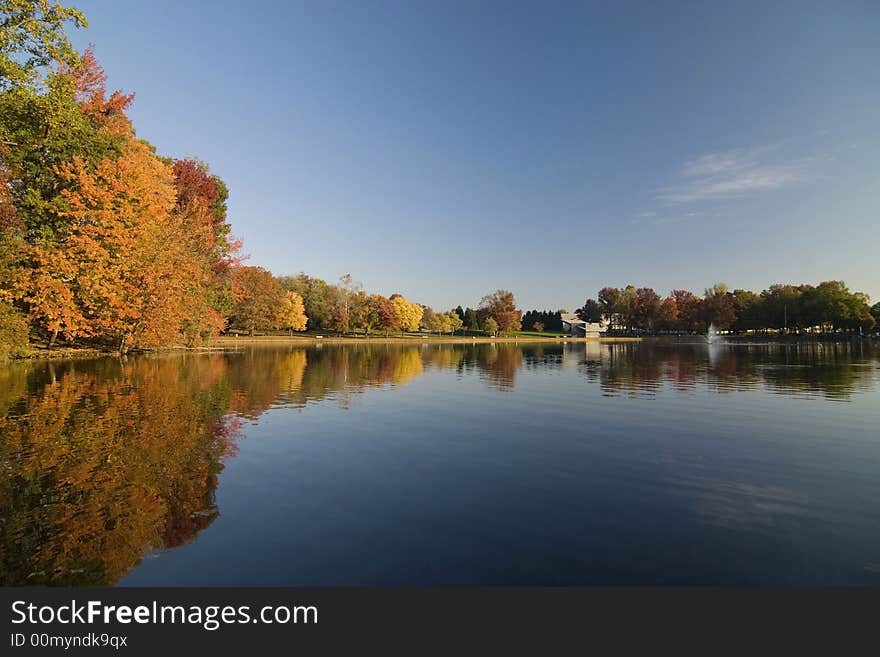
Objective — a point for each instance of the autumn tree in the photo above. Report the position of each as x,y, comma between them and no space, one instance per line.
718,306
428,321
667,315
386,313
408,314
689,309
319,298
201,205
291,312
501,307
126,267
258,299
490,326
455,322
363,316
538,326
646,307
13,331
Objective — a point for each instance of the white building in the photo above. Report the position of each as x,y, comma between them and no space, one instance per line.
578,328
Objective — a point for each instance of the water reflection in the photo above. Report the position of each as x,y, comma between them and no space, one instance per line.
106,461
831,370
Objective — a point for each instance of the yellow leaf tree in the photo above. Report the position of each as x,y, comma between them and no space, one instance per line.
292,313
409,314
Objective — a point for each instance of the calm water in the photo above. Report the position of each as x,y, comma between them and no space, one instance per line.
442,465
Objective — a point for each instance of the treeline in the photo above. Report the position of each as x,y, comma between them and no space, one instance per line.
542,320
101,238
827,307
104,240
346,308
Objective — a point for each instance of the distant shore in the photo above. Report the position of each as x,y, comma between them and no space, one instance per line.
232,341
227,343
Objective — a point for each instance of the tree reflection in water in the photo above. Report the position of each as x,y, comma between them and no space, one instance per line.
105,461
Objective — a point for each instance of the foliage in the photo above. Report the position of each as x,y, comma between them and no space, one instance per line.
455,322
552,320
490,326
827,307
100,237
471,320
448,322
291,312
718,306
32,37
408,314
319,298
500,306
591,311
13,331
260,301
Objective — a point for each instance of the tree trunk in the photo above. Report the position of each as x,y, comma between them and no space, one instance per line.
122,347
52,339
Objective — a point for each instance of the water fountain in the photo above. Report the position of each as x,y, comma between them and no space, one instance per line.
712,335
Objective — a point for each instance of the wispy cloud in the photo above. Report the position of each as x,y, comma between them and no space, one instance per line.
730,174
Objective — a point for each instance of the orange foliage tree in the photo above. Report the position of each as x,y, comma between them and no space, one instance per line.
140,249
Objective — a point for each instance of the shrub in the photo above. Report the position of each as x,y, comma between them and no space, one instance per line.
13,332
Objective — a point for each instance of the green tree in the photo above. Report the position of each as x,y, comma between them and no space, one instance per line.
591,311
746,308
319,298
490,326
471,320
784,307
32,38
610,299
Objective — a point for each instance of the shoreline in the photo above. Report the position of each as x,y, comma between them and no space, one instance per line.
234,343
227,343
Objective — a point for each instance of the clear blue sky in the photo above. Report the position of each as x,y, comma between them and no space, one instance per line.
446,149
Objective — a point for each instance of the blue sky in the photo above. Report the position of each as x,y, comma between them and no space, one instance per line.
446,149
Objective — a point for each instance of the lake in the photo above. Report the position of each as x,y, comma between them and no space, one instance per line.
534,464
